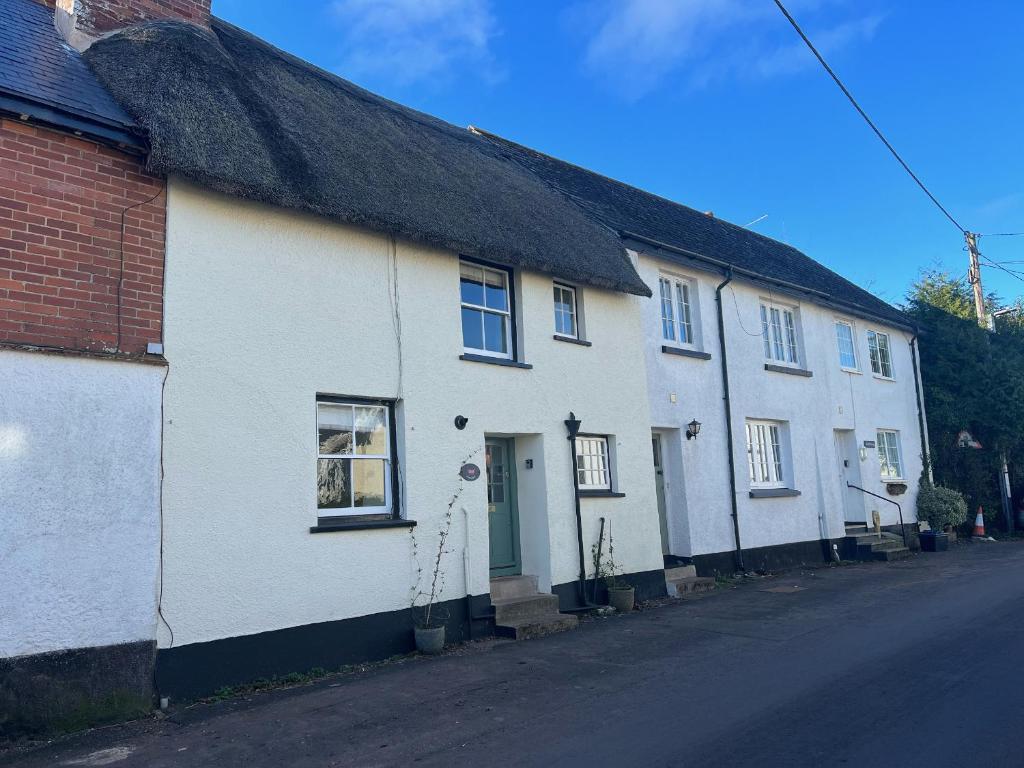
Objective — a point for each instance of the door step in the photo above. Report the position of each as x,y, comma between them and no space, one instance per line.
865,545
521,612
691,586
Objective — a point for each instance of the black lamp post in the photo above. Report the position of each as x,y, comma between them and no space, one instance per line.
692,429
572,427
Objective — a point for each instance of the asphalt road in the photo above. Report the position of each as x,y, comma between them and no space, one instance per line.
916,663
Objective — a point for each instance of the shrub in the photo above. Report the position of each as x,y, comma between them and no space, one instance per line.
941,506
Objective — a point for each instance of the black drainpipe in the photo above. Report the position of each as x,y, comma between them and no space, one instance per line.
921,425
728,421
572,426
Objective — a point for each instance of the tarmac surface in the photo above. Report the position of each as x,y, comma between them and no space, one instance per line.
912,663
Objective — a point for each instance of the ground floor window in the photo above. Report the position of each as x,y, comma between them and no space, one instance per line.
764,454
593,464
354,457
890,457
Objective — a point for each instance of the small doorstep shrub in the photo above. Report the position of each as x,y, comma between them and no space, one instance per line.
941,506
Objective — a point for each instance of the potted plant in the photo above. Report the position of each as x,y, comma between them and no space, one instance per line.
943,509
621,594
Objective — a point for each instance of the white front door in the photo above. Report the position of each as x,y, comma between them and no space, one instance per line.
659,486
848,456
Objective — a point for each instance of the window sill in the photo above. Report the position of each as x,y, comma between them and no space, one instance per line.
360,525
683,352
787,369
571,340
772,493
880,377
852,370
601,495
494,361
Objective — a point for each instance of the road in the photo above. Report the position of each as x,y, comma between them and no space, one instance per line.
915,663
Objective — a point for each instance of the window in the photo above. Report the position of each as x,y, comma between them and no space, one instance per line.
847,349
764,454
878,351
676,313
593,467
890,458
354,460
486,310
778,330
565,311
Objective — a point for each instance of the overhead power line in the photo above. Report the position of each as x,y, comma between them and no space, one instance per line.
867,119
1000,234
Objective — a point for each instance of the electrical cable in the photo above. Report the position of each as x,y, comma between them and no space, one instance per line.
120,274
867,119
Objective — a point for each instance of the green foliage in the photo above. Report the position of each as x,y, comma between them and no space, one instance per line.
941,506
973,380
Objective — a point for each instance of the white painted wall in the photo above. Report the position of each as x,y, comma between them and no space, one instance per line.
79,484
813,407
264,309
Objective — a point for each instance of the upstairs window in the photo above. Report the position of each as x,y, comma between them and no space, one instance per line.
847,348
676,311
778,331
593,465
764,454
565,311
486,310
879,352
890,457
354,458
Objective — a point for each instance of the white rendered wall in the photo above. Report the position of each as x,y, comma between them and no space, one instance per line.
264,309
699,509
79,484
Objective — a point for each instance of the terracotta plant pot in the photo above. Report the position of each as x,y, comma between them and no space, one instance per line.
622,599
429,640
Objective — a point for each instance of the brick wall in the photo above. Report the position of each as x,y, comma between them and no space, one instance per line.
61,201
97,17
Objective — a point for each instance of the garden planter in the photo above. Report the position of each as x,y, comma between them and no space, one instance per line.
429,639
933,541
621,599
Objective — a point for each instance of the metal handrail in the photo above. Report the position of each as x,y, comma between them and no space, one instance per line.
903,528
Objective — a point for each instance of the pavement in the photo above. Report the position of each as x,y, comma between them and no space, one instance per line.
911,663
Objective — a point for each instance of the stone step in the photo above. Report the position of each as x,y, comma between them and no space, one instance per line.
524,629
537,606
879,546
680,572
894,553
691,586
505,587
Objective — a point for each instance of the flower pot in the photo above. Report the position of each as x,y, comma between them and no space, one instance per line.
429,639
621,599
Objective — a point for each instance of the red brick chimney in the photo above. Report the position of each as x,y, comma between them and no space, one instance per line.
81,22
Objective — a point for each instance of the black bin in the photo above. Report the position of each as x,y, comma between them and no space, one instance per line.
934,541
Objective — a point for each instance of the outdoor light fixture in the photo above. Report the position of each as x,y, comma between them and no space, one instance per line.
692,429
461,422
572,425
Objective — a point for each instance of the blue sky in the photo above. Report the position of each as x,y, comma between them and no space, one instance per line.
716,104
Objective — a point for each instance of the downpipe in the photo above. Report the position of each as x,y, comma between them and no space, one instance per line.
728,422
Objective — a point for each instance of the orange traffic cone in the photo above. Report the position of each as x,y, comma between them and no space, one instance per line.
979,524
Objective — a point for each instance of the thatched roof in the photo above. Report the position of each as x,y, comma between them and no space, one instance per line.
229,111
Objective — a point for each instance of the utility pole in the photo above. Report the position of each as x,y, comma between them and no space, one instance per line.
974,278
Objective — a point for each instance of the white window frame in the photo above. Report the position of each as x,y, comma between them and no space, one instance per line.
855,368
574,313
506,277
780,334
593,467
677,305
876,348
387,456
889,446
766,455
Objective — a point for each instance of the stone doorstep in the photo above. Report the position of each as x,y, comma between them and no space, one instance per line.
536,606
690,586
506,587
524,629
680,572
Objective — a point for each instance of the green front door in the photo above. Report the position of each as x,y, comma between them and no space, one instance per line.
502,515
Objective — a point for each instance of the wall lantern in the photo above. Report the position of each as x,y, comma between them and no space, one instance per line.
572,426
461,422
692,429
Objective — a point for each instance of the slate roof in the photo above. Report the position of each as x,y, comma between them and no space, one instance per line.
42,76
229,111
627,209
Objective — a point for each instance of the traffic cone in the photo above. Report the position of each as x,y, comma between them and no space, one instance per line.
979,524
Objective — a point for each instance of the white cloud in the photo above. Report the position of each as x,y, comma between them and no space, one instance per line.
634,45
415,41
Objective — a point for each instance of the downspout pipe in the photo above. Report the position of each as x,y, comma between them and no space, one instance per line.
922,422
728,420
572,427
